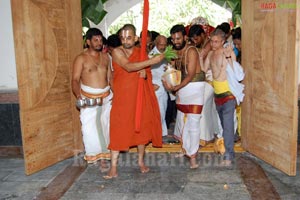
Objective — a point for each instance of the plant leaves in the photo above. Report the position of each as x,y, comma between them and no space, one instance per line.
170,53
92,10
99,6
85,23
96,16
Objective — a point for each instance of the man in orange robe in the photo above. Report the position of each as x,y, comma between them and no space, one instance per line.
128,70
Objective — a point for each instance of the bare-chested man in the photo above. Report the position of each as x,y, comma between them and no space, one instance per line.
197,36
209,123
189,94
228,91
90,81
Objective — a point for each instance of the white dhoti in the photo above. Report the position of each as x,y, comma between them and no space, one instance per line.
162,98
157,71
209,122
95,123
187,127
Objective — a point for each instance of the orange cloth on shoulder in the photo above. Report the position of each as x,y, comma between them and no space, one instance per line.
122,117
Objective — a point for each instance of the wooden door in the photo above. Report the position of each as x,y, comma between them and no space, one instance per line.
271,60
47,35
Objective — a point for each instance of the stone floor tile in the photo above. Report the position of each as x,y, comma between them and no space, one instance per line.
20,176
215,176
4,174
169,178
12,164
96,196
20,190
216,191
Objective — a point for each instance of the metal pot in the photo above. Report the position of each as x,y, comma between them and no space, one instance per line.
172,77
99,101
90,102
80,103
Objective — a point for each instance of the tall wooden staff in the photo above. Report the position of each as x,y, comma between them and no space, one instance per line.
138,112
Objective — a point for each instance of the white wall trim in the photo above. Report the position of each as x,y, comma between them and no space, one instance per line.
8,75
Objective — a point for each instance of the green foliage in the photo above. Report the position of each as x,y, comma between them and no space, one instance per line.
234,5
170,53
92,10
164,14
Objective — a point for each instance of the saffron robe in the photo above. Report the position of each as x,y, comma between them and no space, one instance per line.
122,117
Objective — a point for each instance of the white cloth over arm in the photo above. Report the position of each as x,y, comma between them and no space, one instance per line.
234,76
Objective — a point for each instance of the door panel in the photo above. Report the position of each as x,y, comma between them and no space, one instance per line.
47,36
269,110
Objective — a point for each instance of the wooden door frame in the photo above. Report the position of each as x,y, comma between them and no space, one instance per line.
39,155
253,61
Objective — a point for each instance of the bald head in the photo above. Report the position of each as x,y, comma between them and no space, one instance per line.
161,43
127,27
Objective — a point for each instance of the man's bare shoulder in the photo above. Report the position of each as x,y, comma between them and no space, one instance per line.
118,52
192,50
104,55
117,49
80,57
210,53
79,60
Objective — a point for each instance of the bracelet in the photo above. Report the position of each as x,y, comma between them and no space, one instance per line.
227,57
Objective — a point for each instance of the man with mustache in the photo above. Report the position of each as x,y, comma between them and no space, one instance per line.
90,80
189,94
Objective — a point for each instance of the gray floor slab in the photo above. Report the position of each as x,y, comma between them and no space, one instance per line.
288,187
11,164
20,190
169,178
5,173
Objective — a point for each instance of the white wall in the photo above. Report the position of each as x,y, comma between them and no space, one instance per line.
8,74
